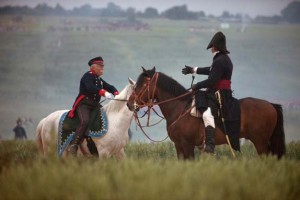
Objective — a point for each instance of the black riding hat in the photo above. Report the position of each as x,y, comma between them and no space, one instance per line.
219,41
96,60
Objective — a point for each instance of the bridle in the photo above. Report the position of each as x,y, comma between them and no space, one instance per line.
151,102
115,99
146,88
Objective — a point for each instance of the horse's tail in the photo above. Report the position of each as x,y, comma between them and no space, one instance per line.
277,140
38,136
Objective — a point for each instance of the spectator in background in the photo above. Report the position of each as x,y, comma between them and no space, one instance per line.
20,133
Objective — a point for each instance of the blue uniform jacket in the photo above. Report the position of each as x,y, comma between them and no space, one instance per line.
90,85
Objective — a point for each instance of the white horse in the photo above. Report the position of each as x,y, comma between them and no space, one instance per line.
112,143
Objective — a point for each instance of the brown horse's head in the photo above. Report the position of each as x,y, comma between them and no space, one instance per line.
144,91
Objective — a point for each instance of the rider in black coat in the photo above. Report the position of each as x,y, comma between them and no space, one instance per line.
219,79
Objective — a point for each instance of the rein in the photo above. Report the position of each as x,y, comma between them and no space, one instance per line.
145,113
147,88
150,103
118,99
113,100
141,127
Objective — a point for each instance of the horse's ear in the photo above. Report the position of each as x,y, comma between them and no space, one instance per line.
145,72
132,82
153,69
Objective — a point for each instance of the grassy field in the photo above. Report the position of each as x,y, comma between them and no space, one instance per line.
150,171
40,69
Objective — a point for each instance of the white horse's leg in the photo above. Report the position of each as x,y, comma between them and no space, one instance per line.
46,132
46,138
121,154
103,153
43,136
38,137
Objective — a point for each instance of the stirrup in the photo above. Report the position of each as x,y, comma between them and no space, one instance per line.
208,150
73,149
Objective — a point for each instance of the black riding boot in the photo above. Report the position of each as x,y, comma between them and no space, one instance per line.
83,111
210,139
74,145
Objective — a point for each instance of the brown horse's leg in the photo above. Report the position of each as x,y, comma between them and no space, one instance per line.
188,150
179,151
261,147
258,122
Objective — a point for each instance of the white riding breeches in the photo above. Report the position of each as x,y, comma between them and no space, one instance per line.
208,118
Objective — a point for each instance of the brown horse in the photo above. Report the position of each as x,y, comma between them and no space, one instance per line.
261,121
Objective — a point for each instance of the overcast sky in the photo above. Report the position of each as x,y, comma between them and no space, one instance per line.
215,7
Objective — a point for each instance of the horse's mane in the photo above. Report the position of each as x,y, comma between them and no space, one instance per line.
115,105
167,83
164,82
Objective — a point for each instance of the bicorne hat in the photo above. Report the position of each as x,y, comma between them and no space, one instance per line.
97,60
218,41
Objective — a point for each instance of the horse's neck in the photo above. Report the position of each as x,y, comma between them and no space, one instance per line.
117,104
172,108
114,106
119,115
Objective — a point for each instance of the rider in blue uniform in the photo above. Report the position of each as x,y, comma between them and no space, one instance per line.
92,87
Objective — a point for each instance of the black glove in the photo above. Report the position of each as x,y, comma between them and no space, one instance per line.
187,70
194,87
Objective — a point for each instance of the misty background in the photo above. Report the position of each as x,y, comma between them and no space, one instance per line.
45,48
213,7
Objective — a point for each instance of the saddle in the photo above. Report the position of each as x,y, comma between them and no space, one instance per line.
231,112
98,126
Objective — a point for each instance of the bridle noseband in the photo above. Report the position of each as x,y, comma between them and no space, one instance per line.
151,101
146,88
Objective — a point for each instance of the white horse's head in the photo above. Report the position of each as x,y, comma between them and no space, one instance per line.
121,99
126,92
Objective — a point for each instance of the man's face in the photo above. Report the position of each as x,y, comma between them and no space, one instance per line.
98,69
214,49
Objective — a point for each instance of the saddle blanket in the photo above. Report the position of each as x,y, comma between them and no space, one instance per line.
98,127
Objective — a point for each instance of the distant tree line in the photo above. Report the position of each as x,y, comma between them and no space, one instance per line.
292,12
289,14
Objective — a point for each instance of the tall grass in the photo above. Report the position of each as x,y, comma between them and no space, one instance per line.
150,171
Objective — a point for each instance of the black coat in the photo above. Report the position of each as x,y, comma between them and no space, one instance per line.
90,85
221,69
20,132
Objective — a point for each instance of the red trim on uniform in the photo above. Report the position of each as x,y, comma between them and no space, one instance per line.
93,71
102,92
97,62
71,113
116,93
223,84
